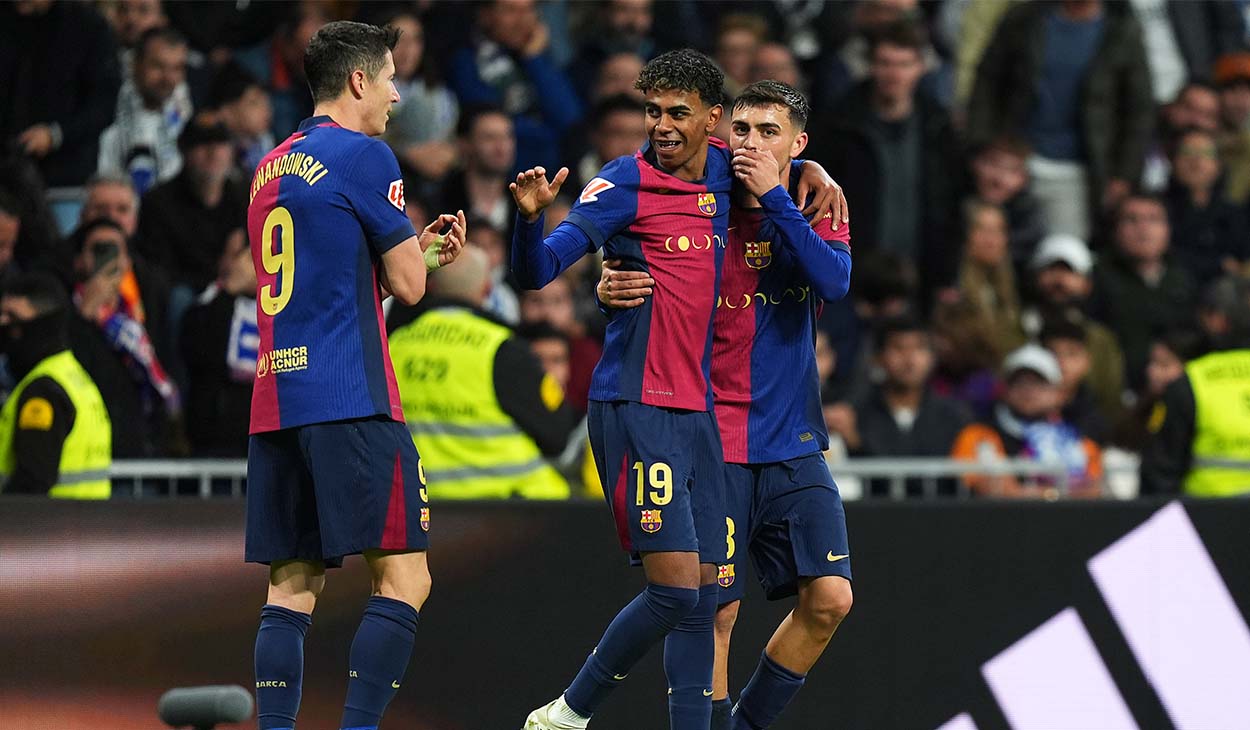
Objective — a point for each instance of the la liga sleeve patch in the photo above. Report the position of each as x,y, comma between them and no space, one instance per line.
395,194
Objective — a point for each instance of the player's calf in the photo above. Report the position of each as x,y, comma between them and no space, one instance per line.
726,617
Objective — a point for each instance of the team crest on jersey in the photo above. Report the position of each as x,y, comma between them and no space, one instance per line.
425,519
759,254
707,203
651,520
725,575
590,193
396,194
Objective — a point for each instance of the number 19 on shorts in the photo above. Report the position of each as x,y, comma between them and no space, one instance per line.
654,484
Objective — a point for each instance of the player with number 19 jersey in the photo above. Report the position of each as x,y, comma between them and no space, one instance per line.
326,204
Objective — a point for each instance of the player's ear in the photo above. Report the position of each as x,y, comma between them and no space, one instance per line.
713,117
357,82
800,144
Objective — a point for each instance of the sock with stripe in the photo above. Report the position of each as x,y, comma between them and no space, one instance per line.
279,666
767,693
378,660
655,612
688,656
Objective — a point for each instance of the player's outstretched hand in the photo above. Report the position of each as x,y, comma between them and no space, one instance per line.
533,193
757,169
441,248
454,240
623,289
826,195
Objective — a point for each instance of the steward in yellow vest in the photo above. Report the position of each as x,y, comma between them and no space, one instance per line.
55,434
482,413
1200,431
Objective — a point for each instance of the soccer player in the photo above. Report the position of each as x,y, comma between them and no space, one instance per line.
663,210
783,505
332,470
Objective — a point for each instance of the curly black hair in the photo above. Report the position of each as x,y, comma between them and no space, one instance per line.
684,70
769,92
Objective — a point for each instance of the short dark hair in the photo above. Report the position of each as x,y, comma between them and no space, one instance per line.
1185,344
229,85
903,33
164,33
684,69
45,292
1064,327
769,92
540,330
78,238
609,105
900,325
1011,144
1139,195
469,116
341,47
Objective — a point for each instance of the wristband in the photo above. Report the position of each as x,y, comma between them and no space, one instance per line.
431,253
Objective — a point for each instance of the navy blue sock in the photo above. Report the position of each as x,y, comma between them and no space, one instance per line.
764,697
720,713
279,666
688,655
655,612
379,657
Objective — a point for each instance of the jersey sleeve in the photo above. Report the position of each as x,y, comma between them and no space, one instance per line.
378,197
45,417
823,254
609,202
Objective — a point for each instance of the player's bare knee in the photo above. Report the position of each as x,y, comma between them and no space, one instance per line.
401,576
826,602
726,617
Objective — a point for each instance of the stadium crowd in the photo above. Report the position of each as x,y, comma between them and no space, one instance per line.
1050,202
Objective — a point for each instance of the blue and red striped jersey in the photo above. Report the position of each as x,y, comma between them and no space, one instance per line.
659,353
777,271
326,204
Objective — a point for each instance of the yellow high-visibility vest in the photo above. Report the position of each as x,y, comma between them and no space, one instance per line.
87,452
1221,447
470,448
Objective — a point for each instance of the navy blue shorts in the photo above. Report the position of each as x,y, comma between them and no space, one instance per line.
326,490
661,475
788,516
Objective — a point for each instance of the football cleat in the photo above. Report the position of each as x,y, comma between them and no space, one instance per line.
555,715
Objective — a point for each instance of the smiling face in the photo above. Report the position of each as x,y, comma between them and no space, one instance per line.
379,95
678,124
767,129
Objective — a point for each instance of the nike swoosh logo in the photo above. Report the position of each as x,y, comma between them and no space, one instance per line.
619,677
394,685
835,558
707,693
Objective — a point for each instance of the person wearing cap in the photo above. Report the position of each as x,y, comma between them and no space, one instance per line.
55,434
185,223
1026,424
1199,442
1138,291
1061,289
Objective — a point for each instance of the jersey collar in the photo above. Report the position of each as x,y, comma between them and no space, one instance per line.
315,122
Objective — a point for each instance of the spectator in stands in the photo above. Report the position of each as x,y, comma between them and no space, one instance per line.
144,286
884,286
1232,80
611,29
1072,78
777,62
1000,176
739,37
184,224
481,410
1198,444
1026,423
506,64
1061,287
1137,289
893,151
38,244
616,76
10,228
218,345
1182,40
58,85
551,347
422,125
901,415
986,276
1067,340
488,150
130,19
110,337
616,130
1209,234
553,304
967,356
56,429
1196,106
1168,354
501,300
238,101
847,60
143,140
279,64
